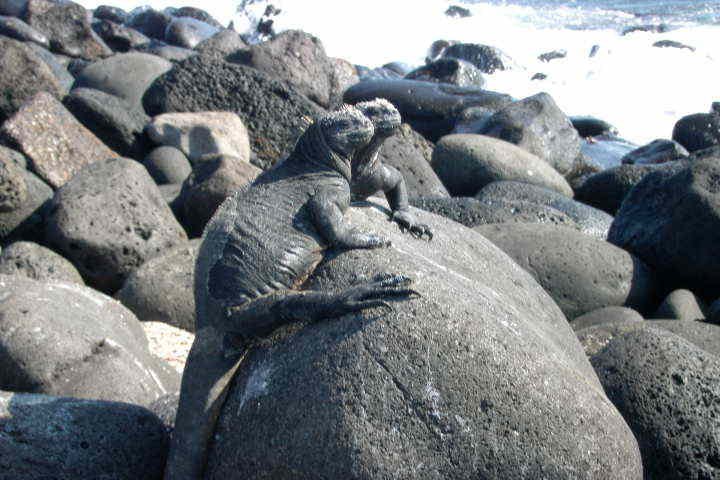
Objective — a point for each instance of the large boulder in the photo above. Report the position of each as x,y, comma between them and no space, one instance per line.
223,43
589,220
28,259
472,212
66,339
681,304
467,162
479,376
605,316
671,219
23,74
581,273
119,37
657,151
67,25
58,64
187,32
202,133
297,58
118,124
57,145
430,108
698,131
410,153
150,22
63,438
161,290
668,390
212,181
13,187
540,127
126,75
449,70
605,151
167,165
15,28
486,58
110,219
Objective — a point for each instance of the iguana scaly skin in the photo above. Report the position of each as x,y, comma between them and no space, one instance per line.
370,175
259,247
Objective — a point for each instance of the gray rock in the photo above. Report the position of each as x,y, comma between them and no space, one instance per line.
187,32
698,131
589,220
472,120
540,127
430,108
344,75
171,195
486,58
67,438
113,14
201,134
13,187
165,408
171,53
272,111
57,145
657,151
606,151
114,121
461,382
581,273
126,75
8,155
68,28
13,8
161,290
22,74
606,190
592,127
149,22
34,261
15,28
57,66
297,58
604,316
449,70
472,212
681,305
456,11
668,390
119,37
223,43
553,55
410,153
197,14
671,219
167,165
110,219
66,339
26,221
672,44
468,162
212,181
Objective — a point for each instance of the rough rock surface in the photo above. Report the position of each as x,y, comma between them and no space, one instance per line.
467,162
540,127
26,221
698,131
62,438
57,145
223,43
590,221
668,391
65,339
657,151
449,70
579,272
15,28
68,27
202,133
606,315
110,219
161,290
13,188
126,75
272,111
463,382
187,32
671,219
34,261
118,124
119,37
22,75
486,58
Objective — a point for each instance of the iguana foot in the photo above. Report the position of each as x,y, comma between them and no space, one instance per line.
408,222
375,293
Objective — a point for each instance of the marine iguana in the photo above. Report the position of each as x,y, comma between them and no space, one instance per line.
370,175
258,249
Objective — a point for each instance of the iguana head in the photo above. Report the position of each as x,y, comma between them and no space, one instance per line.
383,114
346,130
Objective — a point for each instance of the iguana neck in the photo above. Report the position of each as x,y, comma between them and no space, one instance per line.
313,151
367,158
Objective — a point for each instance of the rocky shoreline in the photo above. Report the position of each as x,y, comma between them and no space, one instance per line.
566,324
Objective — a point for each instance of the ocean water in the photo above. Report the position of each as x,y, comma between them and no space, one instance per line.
641,89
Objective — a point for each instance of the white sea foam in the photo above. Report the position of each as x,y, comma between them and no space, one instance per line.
641,89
